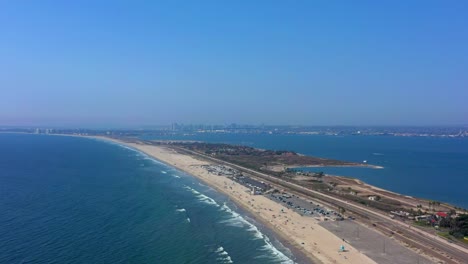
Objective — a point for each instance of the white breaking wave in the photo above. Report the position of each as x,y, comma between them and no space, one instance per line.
235,220
238,221
219,250
155,161
275,252
223,255
175,176
201,197
207,200
129,148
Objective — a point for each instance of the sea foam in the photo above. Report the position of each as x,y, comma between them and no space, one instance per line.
223,255
201,197
237,220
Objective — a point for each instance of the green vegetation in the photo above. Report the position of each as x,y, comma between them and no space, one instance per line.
317,176
459,226
258,159
386,205
444,235
420,223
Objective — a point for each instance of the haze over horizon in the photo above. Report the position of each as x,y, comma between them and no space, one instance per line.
116,63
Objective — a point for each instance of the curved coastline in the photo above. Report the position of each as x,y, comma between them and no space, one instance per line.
309,242
286,248
195,166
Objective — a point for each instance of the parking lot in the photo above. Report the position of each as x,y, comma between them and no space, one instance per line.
257,186
304,207
300,205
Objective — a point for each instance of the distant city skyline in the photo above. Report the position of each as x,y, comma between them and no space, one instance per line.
126,64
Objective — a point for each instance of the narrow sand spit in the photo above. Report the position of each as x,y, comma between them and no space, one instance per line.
302,232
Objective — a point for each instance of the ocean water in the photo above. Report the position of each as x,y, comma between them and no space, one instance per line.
76,200
425,167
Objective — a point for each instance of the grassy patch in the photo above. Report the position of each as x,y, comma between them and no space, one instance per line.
445,235
421,223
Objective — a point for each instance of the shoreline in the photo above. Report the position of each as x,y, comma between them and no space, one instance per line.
190,164
311,243
298,256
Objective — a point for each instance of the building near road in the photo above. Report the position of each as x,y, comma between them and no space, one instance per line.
441,215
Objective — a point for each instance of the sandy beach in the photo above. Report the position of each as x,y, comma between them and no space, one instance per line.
303,233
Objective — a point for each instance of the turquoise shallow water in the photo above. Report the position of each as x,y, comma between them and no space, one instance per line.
75,200
431,168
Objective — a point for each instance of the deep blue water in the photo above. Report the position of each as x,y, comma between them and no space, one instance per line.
75,200
425,167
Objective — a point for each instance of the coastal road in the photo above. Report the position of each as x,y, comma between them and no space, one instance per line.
430,244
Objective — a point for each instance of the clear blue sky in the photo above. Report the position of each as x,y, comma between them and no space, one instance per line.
130,63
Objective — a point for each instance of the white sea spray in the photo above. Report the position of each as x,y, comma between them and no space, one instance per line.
201,197
223,255
237,220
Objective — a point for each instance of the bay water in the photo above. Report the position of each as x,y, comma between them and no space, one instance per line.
433,168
